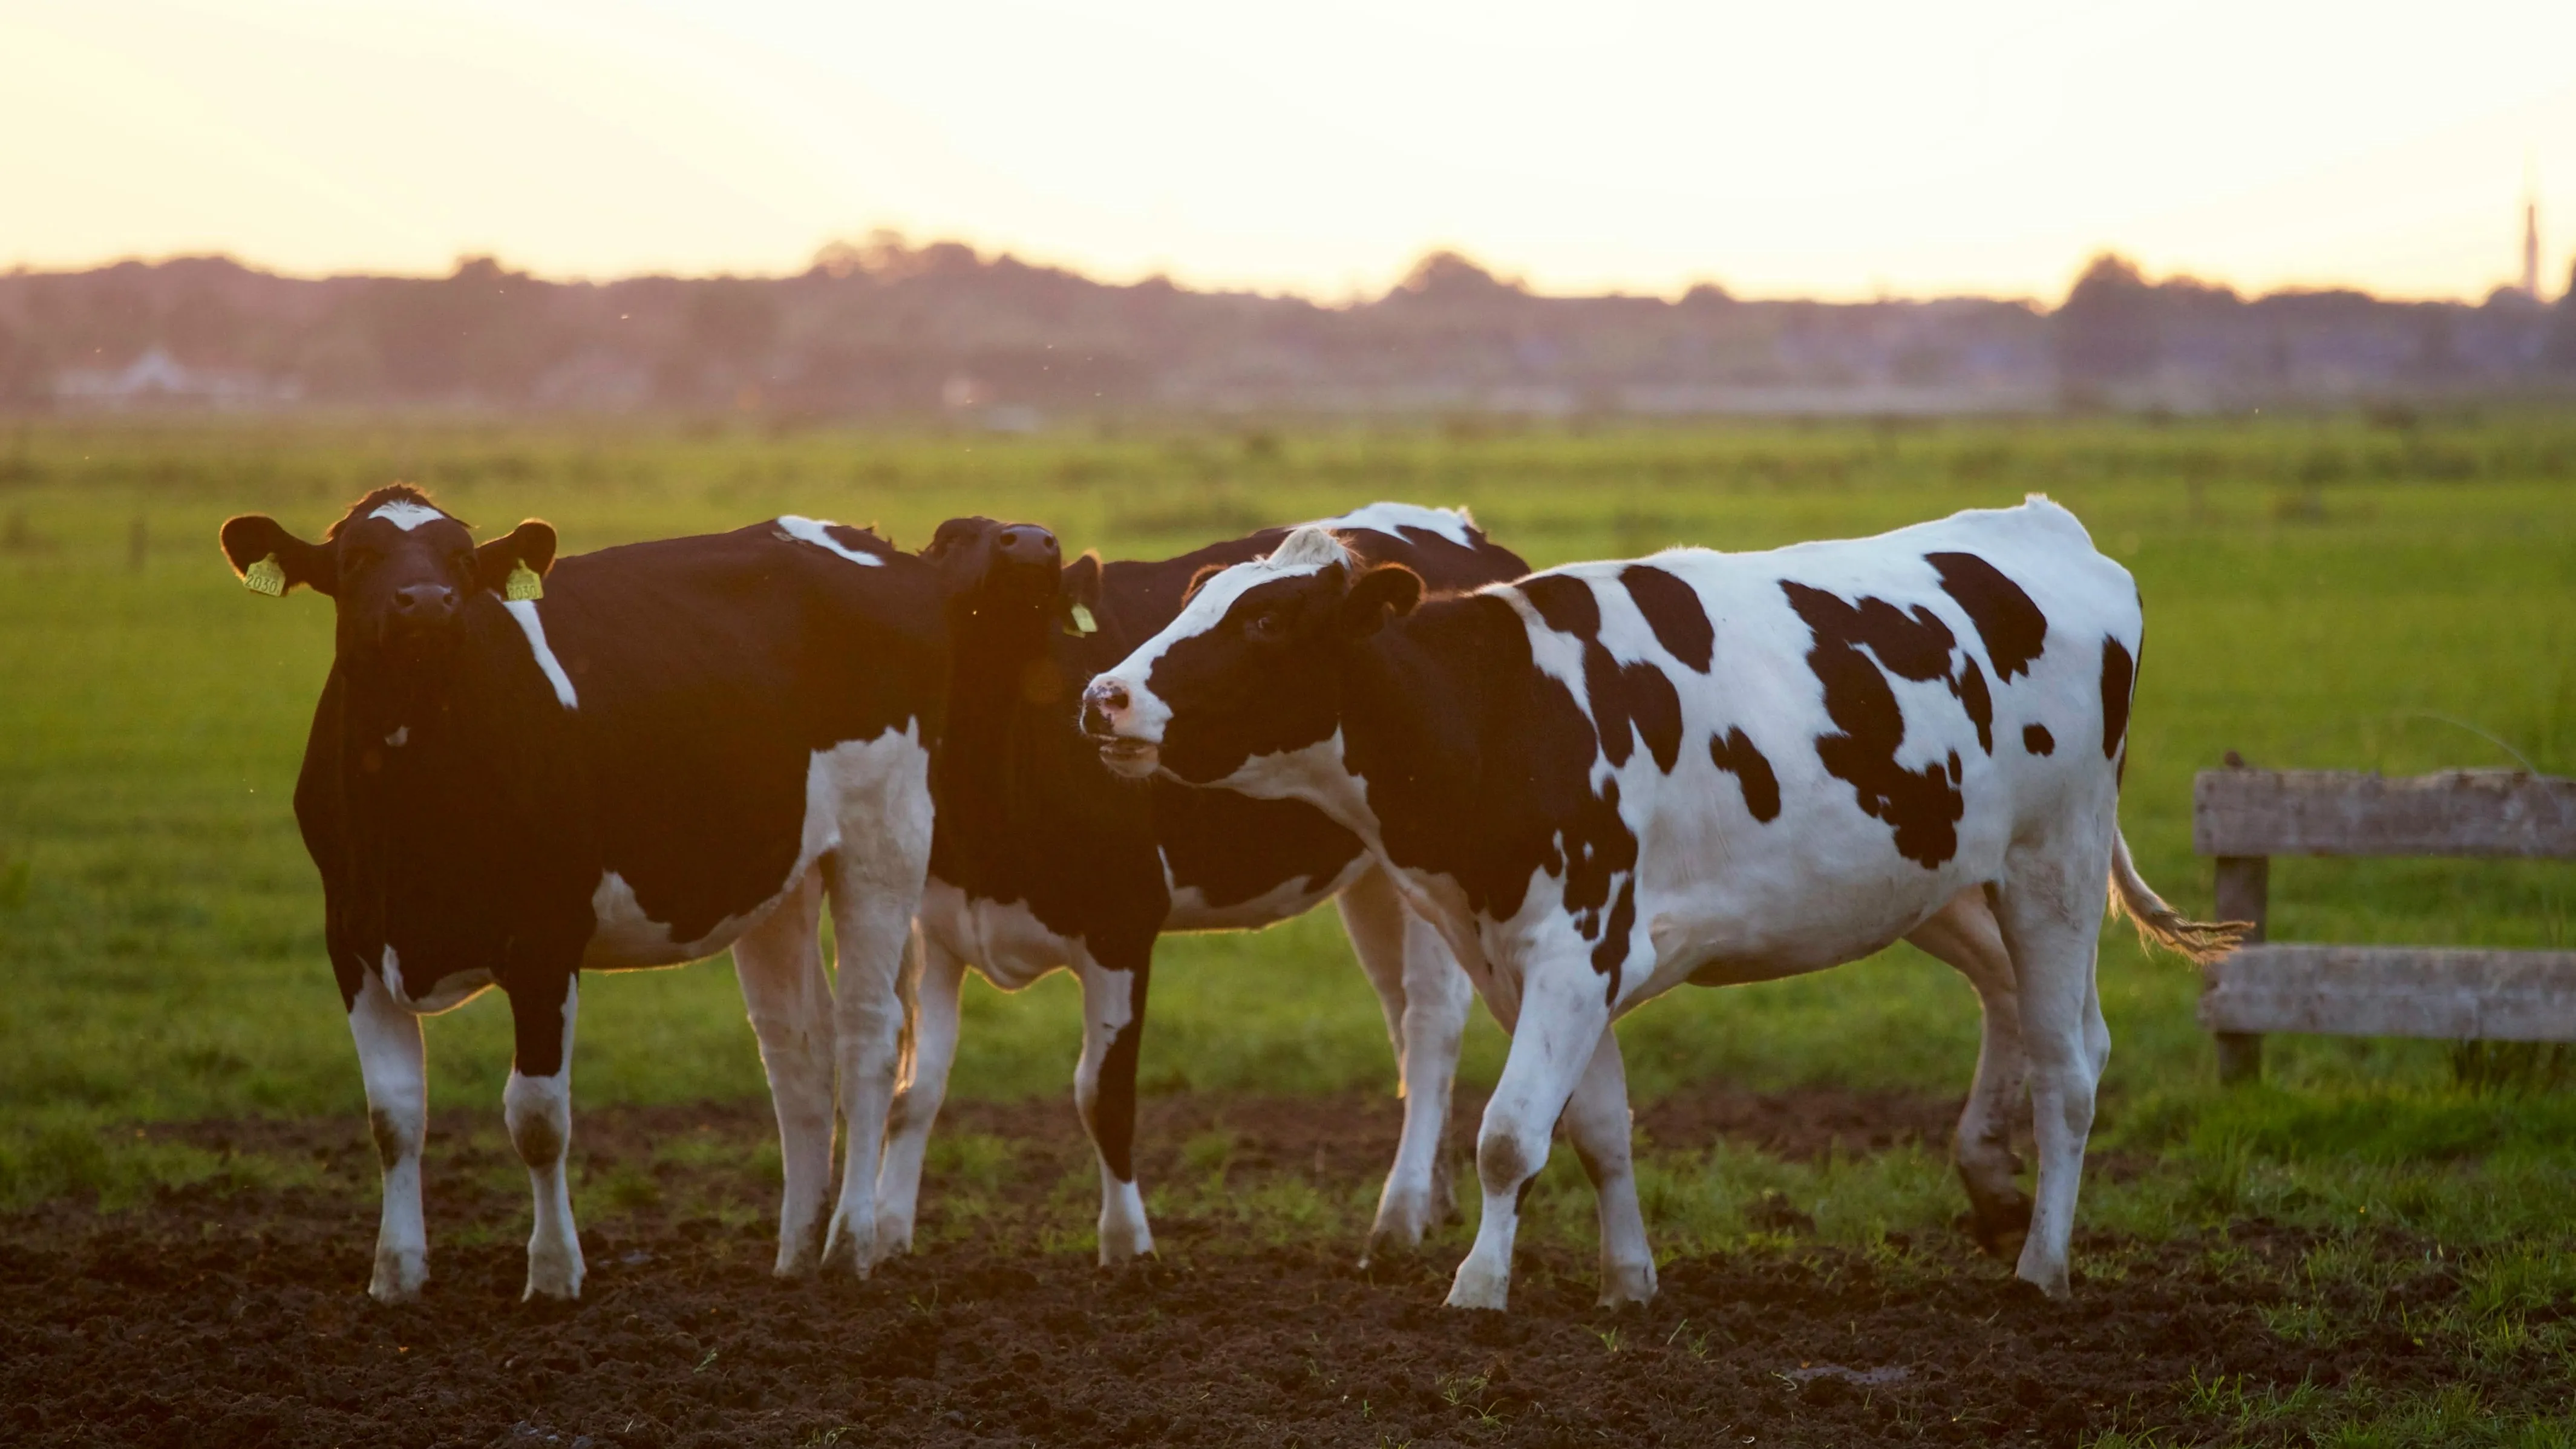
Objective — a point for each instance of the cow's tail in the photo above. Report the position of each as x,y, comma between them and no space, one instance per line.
907,993
2160,924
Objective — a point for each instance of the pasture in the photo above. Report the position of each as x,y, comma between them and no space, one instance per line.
2376,1246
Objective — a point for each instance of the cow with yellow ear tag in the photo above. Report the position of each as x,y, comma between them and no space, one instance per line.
525,767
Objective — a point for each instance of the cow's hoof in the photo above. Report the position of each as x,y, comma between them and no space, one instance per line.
1396,1233
2002,1226
559,1282
1118,1249
2048,1279
398,1277
850,1253
894,1239
1626,1283
800,1253
1385,1246
2008,1244
1476,1288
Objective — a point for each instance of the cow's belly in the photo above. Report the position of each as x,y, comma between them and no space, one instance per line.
1004,940
1766,906
1192,911
850,790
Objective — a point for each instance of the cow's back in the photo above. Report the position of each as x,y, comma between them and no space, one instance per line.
715,677
1863,726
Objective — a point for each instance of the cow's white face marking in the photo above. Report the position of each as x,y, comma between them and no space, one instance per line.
405,514
1309,550
525,611
1450,523
815,532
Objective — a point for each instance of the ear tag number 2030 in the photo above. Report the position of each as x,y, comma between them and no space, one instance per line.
265,577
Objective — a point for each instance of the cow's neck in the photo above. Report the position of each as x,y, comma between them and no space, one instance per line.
1010,715
1411,723
437,750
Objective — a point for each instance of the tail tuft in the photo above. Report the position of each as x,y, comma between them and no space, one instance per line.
907,991
2160,924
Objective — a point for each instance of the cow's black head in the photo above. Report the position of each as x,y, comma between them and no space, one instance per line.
998,570
1251,667
398,568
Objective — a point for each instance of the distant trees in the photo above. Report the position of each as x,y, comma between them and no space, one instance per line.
2559,352
1450,276
885,325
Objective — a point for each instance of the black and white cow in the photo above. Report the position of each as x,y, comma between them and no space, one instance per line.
686,745
1609,779
1043,860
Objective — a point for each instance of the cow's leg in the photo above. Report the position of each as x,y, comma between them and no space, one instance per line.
1598,1123
1425,996
1562,1019
1966,936
395,1067
2050,909
537,1104
917,1099
780,966
1115,977
872,908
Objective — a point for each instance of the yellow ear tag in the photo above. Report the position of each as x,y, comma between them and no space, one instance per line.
265,577
523,584
1083,622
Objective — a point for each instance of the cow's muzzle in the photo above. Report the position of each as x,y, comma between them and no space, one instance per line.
418,613
1107,718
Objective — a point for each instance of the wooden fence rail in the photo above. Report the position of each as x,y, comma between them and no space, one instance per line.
2244,817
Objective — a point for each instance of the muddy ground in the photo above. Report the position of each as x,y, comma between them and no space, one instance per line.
211,1318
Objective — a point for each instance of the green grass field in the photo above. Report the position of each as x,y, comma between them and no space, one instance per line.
2319,592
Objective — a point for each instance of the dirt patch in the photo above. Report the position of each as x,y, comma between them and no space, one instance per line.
240,1318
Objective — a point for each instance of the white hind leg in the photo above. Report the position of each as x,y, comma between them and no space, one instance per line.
1425,996
779,964
2050,909
1966,936
1597,1121
875,877
917,1099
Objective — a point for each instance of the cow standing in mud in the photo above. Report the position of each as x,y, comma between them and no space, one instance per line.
522,768
1043,860
1609,779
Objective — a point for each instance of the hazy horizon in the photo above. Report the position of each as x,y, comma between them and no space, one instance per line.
1838,154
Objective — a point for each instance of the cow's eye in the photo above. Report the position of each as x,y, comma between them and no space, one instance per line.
461,562
358,560
1264,627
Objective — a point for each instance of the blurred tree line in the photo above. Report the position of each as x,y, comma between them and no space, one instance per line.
883,326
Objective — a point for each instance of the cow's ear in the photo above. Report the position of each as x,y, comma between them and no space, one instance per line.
271,560
531,546
1078,594
1205,573
1372,594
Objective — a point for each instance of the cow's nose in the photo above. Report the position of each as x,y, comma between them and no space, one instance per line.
1102,703
424,603
1028,543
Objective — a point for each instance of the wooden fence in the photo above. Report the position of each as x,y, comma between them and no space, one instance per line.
2244,817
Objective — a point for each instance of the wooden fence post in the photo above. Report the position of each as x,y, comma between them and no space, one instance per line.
2244,891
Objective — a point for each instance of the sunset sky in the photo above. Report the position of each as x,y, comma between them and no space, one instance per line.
1829,149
